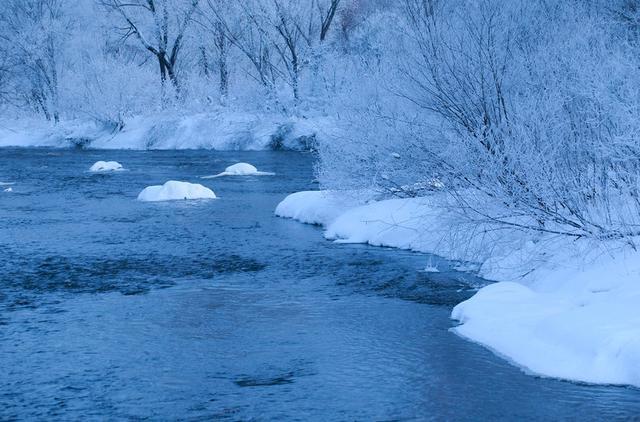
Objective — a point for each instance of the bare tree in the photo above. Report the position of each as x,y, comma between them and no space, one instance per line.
245,26
326,16
279,38
300,27
214,21
160,27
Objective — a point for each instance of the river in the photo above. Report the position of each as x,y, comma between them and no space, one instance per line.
111,308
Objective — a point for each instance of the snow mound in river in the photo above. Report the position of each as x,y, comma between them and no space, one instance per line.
173,190
102,166
240,169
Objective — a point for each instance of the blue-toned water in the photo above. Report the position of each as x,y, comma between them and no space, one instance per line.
112,308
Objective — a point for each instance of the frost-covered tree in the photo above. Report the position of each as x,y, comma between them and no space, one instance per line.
526,111
33,34
159,26
280,39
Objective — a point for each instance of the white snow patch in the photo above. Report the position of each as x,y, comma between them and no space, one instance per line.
574,319
313,207
563,308
240,169
103,166
174,190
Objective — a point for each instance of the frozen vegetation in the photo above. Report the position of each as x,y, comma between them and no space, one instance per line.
174,191
502,135
106,166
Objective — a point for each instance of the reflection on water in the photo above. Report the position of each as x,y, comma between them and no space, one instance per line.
112,308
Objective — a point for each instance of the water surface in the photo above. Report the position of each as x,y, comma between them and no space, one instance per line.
112,308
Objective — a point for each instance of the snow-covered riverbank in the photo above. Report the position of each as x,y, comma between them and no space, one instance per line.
229,131
561,308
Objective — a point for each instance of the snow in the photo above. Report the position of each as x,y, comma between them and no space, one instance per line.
561,308
103,166
240,169
224,130
312,207
174,190
573,320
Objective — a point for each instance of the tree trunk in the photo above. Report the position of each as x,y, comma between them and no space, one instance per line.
205,62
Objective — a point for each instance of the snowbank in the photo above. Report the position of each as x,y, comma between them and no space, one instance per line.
575,323
173,190
103,166
563,308
409,223
313,207
220,130
399,223
240,169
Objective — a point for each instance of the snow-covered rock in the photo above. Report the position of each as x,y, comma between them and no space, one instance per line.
240,169
174,190
102,166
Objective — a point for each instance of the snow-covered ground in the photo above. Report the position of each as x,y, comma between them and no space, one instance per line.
560,308
225,130
174,190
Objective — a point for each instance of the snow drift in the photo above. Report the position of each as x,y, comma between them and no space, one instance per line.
174,190
562,308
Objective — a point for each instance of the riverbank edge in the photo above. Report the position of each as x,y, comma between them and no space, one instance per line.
558,308
224,130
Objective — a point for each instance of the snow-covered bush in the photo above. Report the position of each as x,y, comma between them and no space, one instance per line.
526,112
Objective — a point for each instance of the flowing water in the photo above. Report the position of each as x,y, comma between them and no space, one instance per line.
111,308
